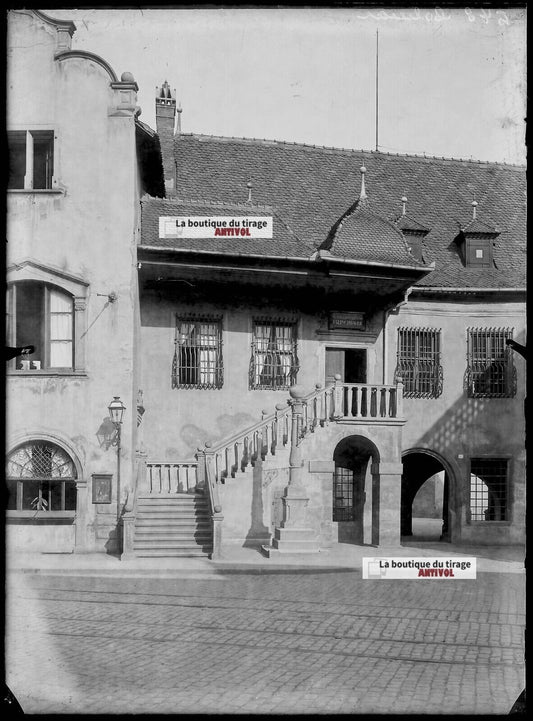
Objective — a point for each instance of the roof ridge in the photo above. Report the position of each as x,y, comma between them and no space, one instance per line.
210,203
290,143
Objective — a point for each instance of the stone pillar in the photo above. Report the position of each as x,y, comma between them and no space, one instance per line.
386,503
293,536
81,521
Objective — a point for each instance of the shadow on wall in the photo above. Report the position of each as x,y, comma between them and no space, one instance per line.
481,423
194,437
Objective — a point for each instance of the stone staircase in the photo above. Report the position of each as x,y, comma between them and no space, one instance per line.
171,525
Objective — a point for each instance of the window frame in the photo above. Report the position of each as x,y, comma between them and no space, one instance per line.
41,479
475,468
415,366
273,376
473,243
45,341
343,478
34,137
480,366
29,269
213,372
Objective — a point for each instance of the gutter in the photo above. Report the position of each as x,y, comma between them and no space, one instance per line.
300,259
467,289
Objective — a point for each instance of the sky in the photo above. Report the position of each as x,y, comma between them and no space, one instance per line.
451,82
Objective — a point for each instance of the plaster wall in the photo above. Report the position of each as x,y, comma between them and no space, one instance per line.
178,421
81,233
458,428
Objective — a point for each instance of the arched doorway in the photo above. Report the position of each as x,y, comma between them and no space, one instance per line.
425,497
354,488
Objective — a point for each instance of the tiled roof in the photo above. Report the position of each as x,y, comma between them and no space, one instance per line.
364,235
408,225
476,227
310,188
283,244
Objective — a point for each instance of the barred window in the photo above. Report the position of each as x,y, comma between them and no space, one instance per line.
197,361
40,477
488,489
418,362
343,496
490,369
274,362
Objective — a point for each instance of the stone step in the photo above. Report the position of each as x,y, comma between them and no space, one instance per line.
184,497
173,521
174,514
171,545
172,553
188,532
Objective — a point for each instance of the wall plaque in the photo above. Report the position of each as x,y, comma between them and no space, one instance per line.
102,487
346,320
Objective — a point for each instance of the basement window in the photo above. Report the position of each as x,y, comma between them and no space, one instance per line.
31,159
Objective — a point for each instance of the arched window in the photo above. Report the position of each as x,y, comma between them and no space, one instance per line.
40,476
41,315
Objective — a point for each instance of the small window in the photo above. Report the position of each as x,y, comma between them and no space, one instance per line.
197,359
40,477
274,362
478,252
418,362
490,369
31,159
41,315
489,489
343,494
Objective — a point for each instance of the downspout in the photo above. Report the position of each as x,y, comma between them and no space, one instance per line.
395,308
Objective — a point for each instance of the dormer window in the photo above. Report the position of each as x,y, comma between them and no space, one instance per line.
413,233
476,241
478,252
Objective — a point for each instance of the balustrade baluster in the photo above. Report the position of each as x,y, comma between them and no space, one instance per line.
373,402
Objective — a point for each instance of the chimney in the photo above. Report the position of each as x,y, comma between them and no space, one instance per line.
165,116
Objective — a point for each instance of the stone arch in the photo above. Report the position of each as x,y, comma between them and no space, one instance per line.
356,459
20,439
419,465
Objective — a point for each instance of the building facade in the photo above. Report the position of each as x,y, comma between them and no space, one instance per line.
303,337
386,293
76,176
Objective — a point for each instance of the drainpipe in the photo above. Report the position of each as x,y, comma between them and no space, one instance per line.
386,313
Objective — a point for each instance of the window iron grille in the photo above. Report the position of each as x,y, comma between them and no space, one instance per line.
418,362
343,494
41,477
197,361
489,489
274,360
490,371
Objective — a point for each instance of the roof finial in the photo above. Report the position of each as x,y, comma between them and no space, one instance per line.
362,194
404,204
249,186
474,206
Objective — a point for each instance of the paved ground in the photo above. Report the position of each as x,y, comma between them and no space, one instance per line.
236,637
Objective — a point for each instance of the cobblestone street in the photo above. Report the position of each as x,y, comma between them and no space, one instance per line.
282,642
